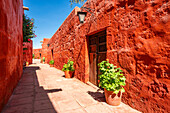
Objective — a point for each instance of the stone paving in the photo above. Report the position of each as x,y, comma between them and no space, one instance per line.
43,89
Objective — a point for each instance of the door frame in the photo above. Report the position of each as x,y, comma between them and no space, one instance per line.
52,54
87,58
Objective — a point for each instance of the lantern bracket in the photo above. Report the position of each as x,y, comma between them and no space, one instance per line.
88,9
82,14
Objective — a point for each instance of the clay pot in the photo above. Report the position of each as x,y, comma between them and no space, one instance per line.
27,63
68,74
112,98
51,65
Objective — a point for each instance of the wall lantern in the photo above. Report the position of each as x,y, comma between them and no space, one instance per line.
25,8
82,15
48,45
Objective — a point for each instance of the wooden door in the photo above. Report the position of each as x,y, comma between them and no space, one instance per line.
52,57
97,53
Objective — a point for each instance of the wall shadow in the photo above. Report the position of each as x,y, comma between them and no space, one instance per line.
29,96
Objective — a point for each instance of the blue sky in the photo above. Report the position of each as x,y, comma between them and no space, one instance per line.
48,15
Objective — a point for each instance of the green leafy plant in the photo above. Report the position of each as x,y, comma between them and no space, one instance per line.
77,1
25,48
43,59
51,62
28,29
111,78
33,55
68,66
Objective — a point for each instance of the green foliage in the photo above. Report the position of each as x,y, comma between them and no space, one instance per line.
28,26
111,78
43,59
33,55
68,66
51,62
25,48
77,1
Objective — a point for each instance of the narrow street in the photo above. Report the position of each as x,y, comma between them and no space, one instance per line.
43,89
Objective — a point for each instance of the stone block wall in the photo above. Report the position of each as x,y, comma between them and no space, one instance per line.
138,42
27,54
37,53
11,47
44,49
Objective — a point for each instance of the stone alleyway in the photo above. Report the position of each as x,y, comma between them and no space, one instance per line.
44,89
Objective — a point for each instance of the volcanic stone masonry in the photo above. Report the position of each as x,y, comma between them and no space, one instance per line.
44,49
27,54
137,39
37,53
11,47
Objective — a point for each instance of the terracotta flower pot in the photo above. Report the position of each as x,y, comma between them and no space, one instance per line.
51,65
112,98
68,74
27,63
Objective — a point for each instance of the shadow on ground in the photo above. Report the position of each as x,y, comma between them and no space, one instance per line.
99,96
29,96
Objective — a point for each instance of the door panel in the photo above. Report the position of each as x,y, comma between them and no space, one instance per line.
93,49
101,57
93,71
97,53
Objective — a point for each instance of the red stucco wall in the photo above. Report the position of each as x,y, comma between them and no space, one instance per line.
44,49
11,48
27,56
137,41
37,53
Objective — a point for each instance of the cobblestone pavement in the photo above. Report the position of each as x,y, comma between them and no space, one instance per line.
43,89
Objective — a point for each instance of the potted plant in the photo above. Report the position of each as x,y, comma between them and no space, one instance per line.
51,63
68,69
43,60
33,55
27,63
112,80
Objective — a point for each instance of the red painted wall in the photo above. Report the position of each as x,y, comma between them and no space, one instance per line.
44,49
37,53
11,47
27,56
137,41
